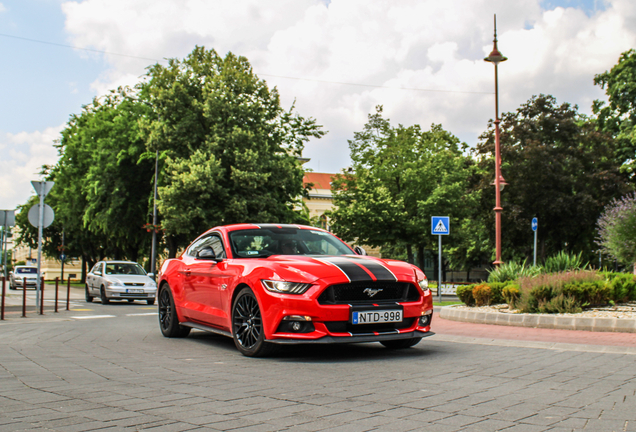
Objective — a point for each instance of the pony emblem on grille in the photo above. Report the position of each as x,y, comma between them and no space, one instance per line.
371,292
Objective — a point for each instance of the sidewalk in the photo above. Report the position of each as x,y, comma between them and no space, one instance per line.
14,298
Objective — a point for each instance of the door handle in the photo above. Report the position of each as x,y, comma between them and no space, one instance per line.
188,273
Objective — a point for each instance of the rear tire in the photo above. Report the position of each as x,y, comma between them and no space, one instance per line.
131,301
247,326
168,319
150,302
89,298
401,343
103,297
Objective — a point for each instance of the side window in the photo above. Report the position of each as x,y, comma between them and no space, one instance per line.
212,241
96,267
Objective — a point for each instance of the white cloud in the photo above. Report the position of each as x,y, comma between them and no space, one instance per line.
23,156
2,8
423,44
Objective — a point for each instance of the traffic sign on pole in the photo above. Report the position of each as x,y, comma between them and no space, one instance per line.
440,225
34,215
42,188
535,226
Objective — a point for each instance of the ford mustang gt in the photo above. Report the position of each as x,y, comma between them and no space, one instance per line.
270,284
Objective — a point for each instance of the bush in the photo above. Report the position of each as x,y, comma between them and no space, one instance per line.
511,295
622,286
617,229
465,294
564,261
559,304
496,292
482,294
512,271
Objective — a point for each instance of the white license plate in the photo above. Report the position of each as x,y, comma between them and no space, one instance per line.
376,316
134,291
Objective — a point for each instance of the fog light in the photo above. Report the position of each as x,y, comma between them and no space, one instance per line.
295,326
425,320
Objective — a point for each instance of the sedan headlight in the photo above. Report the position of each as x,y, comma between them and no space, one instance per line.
114,282
285,287
151,284
423,284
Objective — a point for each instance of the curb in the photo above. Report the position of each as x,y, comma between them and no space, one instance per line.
622,325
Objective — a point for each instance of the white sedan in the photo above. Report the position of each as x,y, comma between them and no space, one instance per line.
120,280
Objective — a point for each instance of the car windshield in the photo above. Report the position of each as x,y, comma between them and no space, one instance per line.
261,243
26,270
124,269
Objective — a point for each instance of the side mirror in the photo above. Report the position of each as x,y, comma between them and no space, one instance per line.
359,250
207,253
98,273
151,275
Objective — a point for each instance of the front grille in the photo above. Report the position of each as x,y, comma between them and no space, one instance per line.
347,327
354,292
133,284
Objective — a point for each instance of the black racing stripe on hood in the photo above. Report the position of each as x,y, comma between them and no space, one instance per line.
353,271
380,272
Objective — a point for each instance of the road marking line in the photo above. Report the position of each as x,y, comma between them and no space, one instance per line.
142,314
93,316
82,310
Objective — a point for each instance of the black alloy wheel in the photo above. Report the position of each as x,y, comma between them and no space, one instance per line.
89,298
168,320
401,343
247,326
102,294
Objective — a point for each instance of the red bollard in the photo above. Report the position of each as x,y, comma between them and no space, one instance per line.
42,295
2,308
68,291
57,280
24,297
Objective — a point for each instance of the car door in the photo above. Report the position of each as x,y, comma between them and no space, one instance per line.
203,279
94,278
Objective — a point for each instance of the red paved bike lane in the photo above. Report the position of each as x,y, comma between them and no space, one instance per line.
456,328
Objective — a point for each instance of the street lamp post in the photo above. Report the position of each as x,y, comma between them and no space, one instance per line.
153,252
495,57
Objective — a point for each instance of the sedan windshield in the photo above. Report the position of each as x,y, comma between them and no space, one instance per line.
26,270
261,243
124,269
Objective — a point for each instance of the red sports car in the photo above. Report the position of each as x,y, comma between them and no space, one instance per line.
269,284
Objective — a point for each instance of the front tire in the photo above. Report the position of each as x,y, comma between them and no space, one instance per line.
89,298
247,326
168,320
150,302
401,343
103,298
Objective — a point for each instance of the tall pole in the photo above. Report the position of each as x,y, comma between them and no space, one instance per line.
153,253
439,271
63,256
40,229
495,57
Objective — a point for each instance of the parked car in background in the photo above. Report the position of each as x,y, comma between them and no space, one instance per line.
20,273
269,284
120,280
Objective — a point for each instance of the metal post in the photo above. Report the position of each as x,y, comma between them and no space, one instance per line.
2,247
24,297
3,294
40,224
439,271
68,291
534,261
42,296
64,255
153,252
57,281
6,241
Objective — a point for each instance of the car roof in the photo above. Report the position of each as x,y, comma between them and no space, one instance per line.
25,266
119,262
243,226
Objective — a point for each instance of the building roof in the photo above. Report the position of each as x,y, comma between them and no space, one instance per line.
319,180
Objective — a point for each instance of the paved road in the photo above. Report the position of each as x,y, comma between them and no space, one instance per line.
107,367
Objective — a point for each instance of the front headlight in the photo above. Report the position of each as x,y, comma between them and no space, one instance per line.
423,284
285,287
114,282
151,284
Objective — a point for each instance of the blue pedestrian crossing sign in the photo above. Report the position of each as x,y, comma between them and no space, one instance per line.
440,225
535,224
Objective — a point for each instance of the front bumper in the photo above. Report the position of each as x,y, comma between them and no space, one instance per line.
122,293
354,339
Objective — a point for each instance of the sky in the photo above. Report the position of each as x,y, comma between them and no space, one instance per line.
422,60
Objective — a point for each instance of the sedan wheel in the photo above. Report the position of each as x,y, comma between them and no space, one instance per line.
89,298
247,326
168,320
102,293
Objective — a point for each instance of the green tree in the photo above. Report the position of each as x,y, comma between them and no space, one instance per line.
399,178
228,150
617,230
619,116
559,169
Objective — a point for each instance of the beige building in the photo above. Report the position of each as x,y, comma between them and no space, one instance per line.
51,268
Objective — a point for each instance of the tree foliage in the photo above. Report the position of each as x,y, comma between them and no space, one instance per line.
559,169
617,229
229,151
399,178
619,116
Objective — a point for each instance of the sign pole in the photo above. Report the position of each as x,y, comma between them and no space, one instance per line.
535,228
439,271
40,232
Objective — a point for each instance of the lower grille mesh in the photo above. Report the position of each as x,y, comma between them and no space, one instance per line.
365,292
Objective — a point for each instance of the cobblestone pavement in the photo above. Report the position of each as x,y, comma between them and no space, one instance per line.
107,367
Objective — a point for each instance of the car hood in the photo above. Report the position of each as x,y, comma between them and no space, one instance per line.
302,268
130,278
